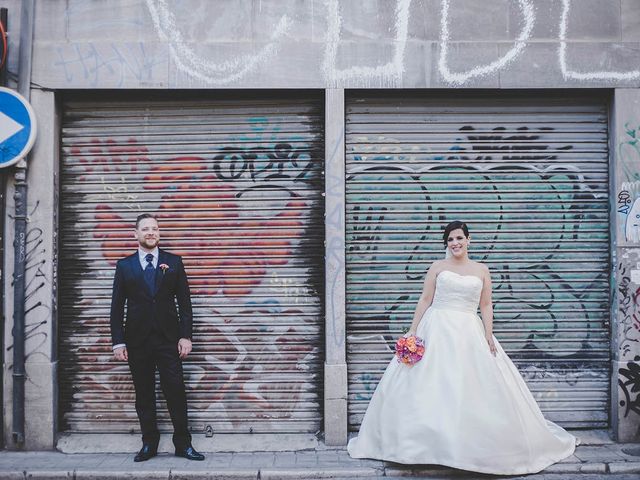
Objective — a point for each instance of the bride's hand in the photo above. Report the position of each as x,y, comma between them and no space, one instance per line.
492,346
409,334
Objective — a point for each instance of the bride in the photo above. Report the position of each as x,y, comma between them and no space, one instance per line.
464,404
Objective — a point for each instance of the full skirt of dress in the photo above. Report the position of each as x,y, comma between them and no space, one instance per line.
459,406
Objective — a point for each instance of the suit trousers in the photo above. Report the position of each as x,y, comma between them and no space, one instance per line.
158,352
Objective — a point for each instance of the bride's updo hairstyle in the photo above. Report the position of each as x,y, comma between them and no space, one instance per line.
454,226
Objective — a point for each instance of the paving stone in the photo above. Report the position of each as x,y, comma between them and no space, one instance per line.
191,475
430,471
261,460
624,467
285,459
597,453
563,468
248,474
273,474
221,458
126,474
12,475
629,453
570,459
306,459
593,468
49,475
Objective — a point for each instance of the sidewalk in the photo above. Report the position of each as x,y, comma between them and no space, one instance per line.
589,462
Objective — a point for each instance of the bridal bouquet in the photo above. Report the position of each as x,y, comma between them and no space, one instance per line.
409,350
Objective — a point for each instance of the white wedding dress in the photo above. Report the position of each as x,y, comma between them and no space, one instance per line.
459,406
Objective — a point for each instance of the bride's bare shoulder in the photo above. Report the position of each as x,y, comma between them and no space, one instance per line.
437,264
436,267
481,267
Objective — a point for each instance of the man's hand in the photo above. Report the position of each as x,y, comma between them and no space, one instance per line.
184,347
121,354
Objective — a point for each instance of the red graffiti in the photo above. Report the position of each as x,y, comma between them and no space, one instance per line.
200,219
109,156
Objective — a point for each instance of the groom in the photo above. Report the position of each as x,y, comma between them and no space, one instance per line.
154,335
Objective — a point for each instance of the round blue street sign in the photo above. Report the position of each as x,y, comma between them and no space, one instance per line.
17,127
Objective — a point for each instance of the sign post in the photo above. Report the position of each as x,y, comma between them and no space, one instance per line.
17,127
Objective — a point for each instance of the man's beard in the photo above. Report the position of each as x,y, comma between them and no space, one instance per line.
149,243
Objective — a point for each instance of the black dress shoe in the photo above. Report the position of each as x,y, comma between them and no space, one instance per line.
189,453
145,453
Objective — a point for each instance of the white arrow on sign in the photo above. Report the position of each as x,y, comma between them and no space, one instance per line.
8,127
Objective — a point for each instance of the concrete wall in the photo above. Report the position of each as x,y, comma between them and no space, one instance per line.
626,222
335,370
40,279
332,44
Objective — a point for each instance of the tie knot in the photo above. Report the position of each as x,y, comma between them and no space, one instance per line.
149,257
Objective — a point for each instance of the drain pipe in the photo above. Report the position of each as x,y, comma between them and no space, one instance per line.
4,18
19,243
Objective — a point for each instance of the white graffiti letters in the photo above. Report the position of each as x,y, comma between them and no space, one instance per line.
196,65
512,54
356,74
562,56
389,74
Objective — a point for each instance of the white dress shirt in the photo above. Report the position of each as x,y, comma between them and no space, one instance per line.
142,256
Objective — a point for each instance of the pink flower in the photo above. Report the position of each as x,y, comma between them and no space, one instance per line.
409,350
164,267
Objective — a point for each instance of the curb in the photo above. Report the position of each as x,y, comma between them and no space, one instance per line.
310,474
624,467
434,471
110,475
559,468
248,474
12,475
595,467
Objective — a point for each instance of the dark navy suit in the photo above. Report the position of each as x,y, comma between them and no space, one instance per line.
151,329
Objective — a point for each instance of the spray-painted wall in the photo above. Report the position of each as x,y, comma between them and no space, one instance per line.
323,44
334,43
626,211
42,263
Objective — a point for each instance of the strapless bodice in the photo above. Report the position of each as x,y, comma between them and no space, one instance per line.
457,292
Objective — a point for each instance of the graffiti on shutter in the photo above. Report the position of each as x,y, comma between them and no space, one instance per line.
530,177
237,187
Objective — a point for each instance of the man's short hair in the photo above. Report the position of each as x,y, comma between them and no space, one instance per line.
143,216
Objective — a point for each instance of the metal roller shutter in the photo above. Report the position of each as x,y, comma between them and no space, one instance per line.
237,182
530,177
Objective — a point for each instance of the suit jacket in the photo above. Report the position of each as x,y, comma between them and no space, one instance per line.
145,308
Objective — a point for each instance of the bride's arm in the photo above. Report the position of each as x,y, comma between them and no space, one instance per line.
486,309
428,289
